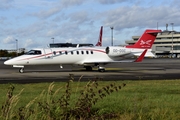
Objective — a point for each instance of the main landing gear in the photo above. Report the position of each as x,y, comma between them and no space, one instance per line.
88,68
100,68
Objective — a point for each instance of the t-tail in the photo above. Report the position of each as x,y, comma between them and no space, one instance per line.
146,40
99,43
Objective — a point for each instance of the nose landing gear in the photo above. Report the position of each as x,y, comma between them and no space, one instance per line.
21,70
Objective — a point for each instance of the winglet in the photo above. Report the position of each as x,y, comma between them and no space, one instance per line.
141,57
99,43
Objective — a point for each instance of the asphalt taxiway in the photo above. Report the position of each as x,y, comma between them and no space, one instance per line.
148,69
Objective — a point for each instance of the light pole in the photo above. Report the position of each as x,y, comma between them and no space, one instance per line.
52,39
172,38
16,47
112,35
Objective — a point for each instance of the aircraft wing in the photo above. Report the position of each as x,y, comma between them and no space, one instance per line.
139,59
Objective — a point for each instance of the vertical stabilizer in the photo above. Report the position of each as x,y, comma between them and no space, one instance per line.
99,43
146,40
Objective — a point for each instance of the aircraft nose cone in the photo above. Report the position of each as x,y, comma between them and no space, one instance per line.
7,62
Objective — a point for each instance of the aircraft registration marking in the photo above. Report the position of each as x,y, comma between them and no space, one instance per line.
119,50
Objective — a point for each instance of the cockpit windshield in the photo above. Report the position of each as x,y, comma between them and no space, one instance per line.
34,52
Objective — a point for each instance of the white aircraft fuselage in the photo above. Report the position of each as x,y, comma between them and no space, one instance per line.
79,56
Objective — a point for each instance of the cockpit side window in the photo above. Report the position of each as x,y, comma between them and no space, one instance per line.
34,52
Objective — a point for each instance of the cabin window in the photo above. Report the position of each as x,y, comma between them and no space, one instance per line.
77,52
71,52
91,52
34,52
54,52
82,52
66,52
87,52
60,52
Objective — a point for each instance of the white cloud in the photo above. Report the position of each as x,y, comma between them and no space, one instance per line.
36,22
9,40
47,13
68,3
112,1
56,8
5,4
29,43
136,16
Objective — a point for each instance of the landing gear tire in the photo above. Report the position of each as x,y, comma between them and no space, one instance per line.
88,68
101,70
21,70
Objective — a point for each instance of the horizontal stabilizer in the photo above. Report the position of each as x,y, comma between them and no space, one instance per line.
141,57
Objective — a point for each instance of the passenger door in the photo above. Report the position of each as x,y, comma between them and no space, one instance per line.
48,53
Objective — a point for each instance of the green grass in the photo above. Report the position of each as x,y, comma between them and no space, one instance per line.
150,99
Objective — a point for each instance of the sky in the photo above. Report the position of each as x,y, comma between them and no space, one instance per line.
34,23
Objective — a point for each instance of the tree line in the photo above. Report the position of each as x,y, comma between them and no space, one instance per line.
5,53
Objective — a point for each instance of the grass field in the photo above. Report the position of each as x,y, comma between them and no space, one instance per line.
149,99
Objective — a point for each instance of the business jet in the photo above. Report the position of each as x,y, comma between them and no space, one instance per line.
87,56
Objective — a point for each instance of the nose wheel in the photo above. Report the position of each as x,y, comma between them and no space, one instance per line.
21,70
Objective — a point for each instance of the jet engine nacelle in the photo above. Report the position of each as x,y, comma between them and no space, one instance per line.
112,51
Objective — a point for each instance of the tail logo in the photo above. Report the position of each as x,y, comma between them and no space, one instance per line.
145,42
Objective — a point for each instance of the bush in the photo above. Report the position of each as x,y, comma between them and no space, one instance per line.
51,105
